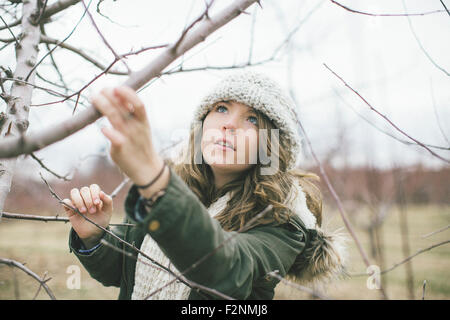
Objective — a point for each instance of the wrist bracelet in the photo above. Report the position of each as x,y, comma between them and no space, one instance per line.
145,186
150,201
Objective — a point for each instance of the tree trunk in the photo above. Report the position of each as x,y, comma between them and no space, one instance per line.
15,122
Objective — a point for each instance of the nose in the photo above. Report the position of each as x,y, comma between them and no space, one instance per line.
231,123
229,127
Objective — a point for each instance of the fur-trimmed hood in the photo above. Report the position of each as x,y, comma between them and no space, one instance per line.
324,255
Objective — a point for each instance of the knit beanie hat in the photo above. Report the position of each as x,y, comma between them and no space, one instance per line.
263,94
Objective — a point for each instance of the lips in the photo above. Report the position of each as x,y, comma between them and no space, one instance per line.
225,143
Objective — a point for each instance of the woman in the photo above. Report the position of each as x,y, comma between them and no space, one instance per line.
216,199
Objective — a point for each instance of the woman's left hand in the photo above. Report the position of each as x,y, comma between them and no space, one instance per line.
131,142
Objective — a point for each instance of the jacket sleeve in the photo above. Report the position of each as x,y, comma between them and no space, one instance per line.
185,232
103,264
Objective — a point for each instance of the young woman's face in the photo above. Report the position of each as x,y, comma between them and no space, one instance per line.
230,136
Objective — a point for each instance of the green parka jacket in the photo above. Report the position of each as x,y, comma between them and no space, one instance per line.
185,232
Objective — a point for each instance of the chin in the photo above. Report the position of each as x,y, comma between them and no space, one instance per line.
227,164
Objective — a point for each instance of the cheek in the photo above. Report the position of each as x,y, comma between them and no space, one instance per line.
248,144
210,132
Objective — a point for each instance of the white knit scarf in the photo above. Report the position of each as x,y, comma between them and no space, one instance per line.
149,278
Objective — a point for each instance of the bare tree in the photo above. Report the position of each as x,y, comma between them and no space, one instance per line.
23,25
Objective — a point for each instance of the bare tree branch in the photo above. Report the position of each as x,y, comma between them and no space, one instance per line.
40,13
442,2
104,39
62,44
16,146
47,169
434,232
314,293
45,280
50,11
386,14
387,119
57,218
423,289
437,115
10,31
405,260
409,143
20,266
23,82
421,46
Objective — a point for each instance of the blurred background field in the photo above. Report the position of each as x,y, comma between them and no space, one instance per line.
43,247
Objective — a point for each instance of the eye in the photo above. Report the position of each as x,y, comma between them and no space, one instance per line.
220,107
253,120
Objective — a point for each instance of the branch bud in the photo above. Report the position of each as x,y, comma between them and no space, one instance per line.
22,125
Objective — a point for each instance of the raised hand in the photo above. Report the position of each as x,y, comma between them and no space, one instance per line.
130,135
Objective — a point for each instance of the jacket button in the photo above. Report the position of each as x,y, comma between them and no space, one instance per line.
153,225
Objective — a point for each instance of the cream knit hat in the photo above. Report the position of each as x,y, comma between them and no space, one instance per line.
263,94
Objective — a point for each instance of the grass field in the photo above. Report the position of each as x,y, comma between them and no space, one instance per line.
43,247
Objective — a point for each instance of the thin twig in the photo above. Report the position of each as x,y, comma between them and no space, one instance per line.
405,260
47,169
416,254
80,90
55,66
442,2
41,13
48,90
421,46
248,63
299,287
434,232
22,267
15,39
57,218
423,289
186,30
386,14
81,53
409,143
116,56
386,118
437,115
40,285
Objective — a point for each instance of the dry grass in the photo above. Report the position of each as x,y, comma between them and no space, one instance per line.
44,248
432,266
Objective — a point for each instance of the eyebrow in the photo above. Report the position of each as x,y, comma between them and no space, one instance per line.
249,109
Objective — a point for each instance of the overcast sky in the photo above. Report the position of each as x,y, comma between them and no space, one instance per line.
380,57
